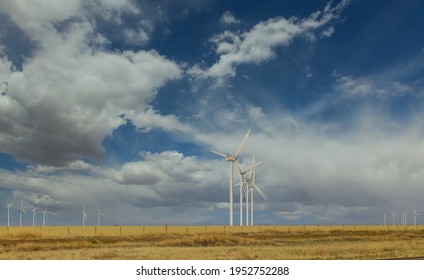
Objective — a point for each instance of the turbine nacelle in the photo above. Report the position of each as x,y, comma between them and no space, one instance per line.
229,157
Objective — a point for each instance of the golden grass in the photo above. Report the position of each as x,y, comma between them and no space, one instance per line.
210,243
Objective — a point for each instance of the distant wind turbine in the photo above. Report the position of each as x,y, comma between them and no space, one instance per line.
33,215
232,158
8,212
99,214
415,217
394,214
404,215
21,210
44,216
84,216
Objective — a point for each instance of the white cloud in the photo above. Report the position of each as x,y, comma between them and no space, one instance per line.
309,172
161,188
372,86
312,172
3,88
137,37
259,44
228,18
328,32
70,93
148,119
35,15
318,170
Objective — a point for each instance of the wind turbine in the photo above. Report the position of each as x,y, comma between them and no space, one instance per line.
384,219
251,185
415,217
8,212
33,215
44,216
84,216
232,158
404,214
98,216
21,210
393,215
243,190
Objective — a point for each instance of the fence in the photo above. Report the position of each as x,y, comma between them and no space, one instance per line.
140,230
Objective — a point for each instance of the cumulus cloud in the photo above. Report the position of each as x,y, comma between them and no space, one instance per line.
309,172
36,15
258,44
141,192
70,92
228,18
3,88
313,172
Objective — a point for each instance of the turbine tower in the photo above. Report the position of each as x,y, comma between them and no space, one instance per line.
98,217
33,215
84,216
8,212
393,215
415,217
251,185
232,158
404,215
243,190
44,216
21,210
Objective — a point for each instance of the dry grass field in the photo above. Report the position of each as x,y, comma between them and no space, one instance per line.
212,242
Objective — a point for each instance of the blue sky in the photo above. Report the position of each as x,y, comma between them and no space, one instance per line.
117,105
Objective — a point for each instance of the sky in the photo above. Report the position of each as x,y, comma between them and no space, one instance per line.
117,104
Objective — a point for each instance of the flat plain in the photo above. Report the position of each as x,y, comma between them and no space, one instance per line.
212,242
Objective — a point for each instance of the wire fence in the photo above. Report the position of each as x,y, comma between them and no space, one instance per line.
140,230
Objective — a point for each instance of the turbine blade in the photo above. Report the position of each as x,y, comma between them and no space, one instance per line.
252,166
238,168
242,144
261,192
220,154
259,162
